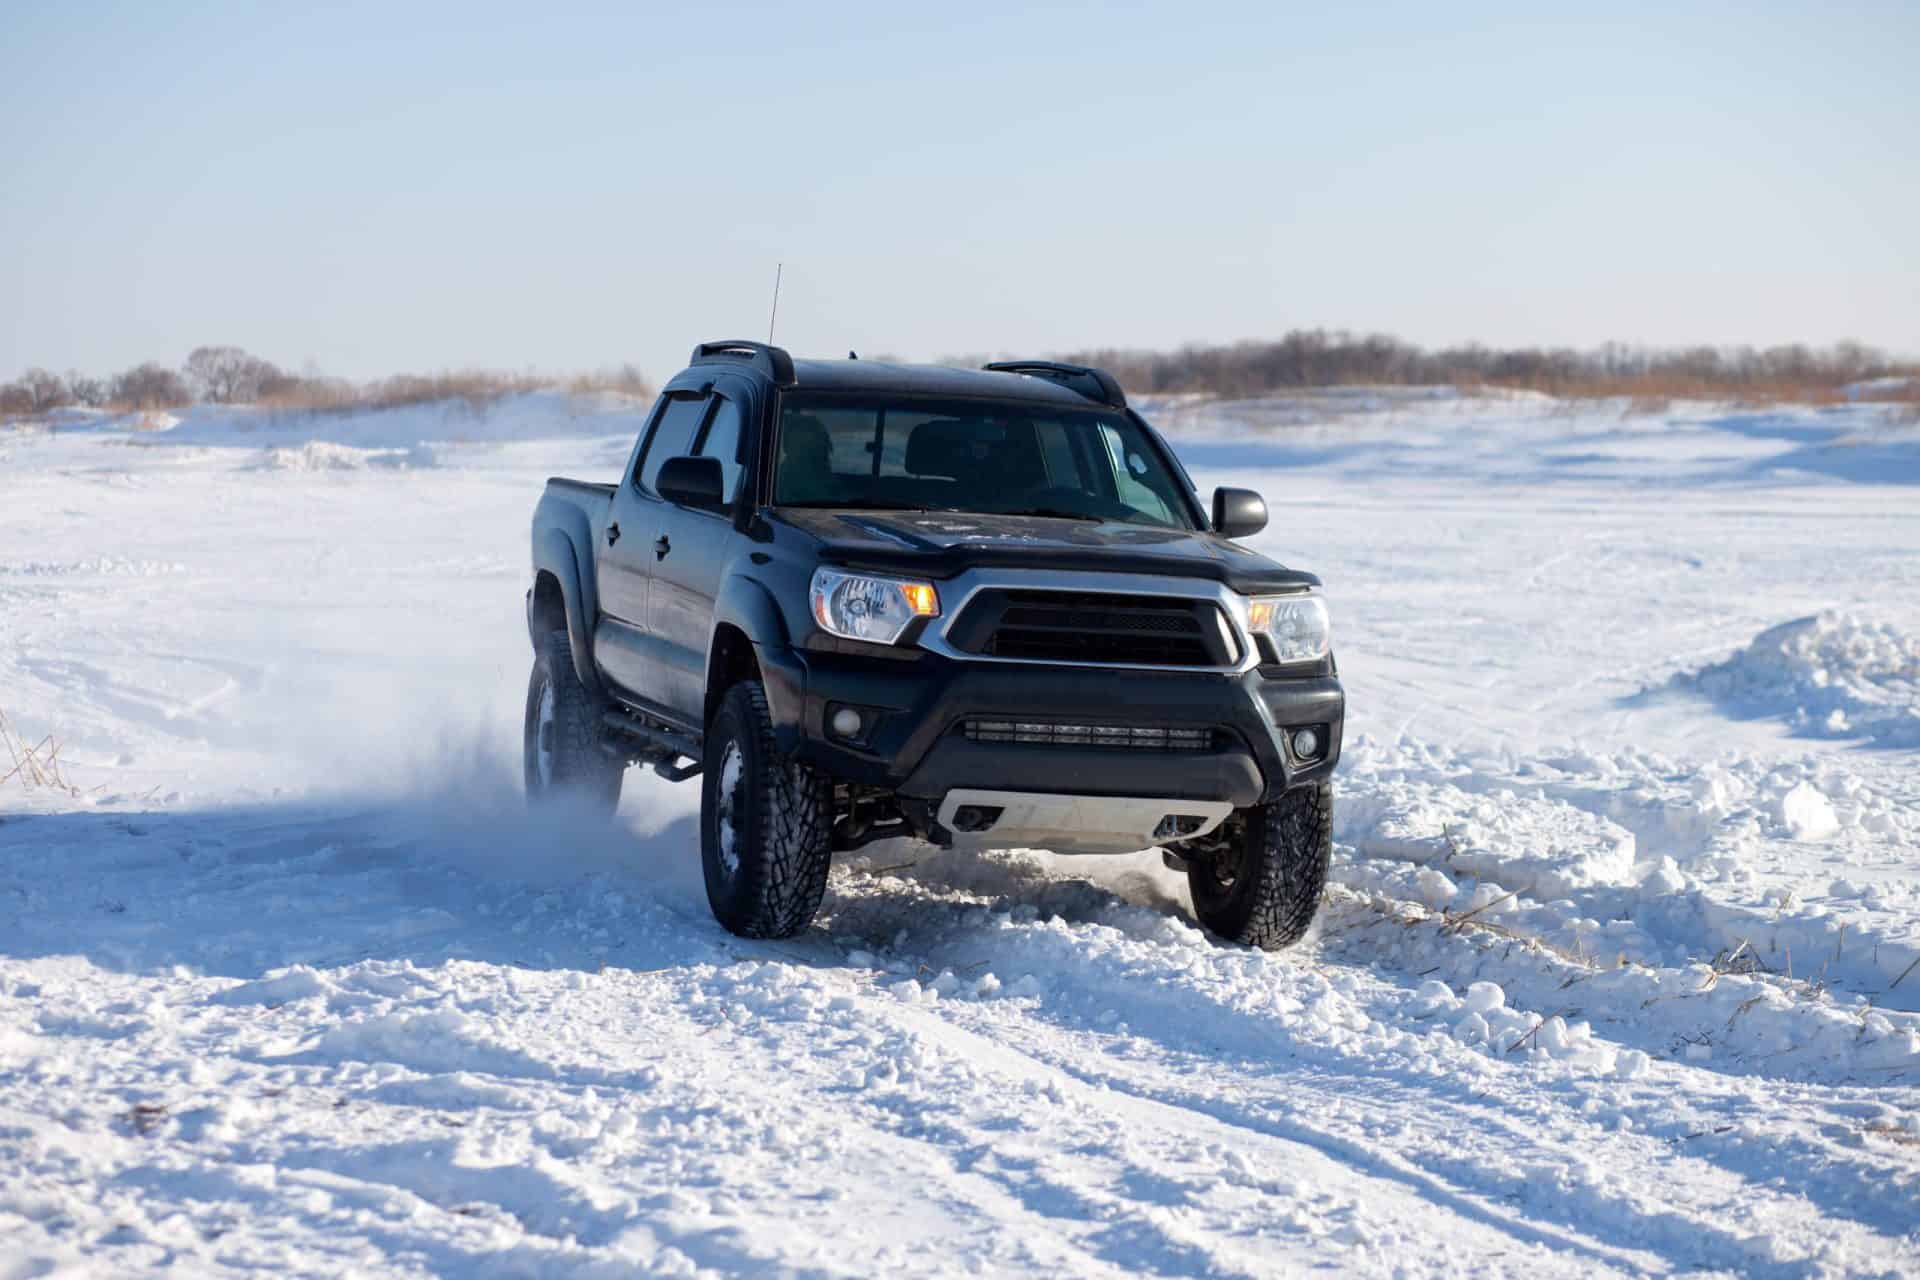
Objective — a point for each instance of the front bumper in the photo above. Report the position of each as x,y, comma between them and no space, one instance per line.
916,706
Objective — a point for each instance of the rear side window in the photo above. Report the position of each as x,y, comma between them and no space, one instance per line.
722,441
1066,464
672,436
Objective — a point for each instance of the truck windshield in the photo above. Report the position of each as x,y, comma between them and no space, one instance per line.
976,456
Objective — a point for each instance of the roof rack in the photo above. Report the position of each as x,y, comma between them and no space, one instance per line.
1096,385
770,360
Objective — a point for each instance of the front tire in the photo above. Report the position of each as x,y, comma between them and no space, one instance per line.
565,745
1258,879
765,823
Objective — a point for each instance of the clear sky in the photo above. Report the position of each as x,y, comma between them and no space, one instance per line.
369,188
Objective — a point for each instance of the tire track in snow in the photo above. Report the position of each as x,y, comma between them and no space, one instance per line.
1370,1176
1188,1006
1609,1225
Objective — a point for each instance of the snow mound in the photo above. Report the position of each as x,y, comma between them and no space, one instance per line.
437,1042
324,455
1877,388
1830,675
1523,842
1805,813
297,982
1482,1018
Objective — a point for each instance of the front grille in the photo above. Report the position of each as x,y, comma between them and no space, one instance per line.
1092,627
1051,733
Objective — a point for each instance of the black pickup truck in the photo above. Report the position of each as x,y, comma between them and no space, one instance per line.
982,608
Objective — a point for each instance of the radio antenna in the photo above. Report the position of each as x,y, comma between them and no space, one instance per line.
775,313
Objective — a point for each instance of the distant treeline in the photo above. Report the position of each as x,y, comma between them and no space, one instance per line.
229,375
1319,357
1303,358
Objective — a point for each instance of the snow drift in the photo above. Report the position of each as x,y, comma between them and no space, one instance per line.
1830,675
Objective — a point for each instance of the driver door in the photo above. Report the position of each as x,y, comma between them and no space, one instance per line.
690,555
627,650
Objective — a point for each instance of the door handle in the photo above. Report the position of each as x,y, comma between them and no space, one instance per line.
661,546
613,533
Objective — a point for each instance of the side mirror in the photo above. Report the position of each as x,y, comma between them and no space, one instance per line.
692,482
1237,513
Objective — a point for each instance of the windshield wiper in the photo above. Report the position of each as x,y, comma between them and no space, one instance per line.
866,504
1053,513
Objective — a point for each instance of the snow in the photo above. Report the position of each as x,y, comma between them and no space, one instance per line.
1617,972
1806,814
1870,388
1831,674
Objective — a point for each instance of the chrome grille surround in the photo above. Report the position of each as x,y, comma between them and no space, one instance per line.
957,592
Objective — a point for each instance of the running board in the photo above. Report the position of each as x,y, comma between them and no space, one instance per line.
660,745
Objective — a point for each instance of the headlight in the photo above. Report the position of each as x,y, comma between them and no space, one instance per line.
858,606
1297,626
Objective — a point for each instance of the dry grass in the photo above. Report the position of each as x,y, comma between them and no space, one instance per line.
477,388
1643,376
334,395
626,380
1655,394
35,766
1412,915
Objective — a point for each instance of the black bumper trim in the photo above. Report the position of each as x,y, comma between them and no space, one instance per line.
1231,775
914,746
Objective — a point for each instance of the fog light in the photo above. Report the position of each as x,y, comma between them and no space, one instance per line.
846,723
1306,744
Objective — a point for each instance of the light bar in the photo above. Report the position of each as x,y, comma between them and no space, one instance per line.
1062,734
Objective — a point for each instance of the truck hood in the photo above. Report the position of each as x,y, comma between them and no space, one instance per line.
942,543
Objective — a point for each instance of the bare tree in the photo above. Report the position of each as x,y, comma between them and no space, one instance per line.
85,390
45,389
15,400
228,375
1317,357
275,384
150,386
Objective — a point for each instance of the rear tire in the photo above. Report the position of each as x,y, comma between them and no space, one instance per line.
765,823
1258,879
565,750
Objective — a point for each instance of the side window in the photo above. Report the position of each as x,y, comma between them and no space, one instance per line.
672,436
722,441
1129,468
1063,466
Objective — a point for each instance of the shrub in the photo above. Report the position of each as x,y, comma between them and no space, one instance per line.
627,379
1317,357
91,392
149,386
46,390
228,375
476,388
